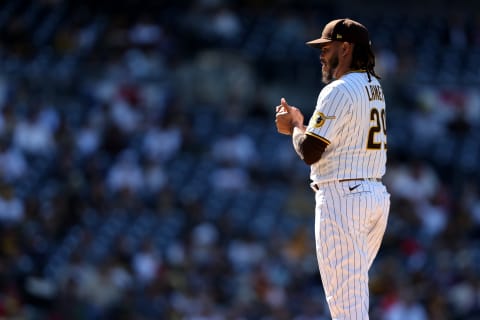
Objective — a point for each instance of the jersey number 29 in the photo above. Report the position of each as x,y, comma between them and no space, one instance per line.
378,127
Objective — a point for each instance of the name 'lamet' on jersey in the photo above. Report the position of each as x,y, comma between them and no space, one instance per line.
374,92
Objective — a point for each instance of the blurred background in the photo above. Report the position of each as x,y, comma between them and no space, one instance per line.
142,177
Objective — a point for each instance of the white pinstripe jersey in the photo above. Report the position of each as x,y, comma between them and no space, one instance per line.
350,118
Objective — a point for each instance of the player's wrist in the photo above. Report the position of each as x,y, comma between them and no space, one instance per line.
298,124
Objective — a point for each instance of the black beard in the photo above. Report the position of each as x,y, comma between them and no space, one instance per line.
327,76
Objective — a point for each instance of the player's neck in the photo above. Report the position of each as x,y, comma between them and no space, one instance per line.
341,71
343,67
349,70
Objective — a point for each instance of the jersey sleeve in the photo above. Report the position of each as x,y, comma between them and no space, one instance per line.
332,106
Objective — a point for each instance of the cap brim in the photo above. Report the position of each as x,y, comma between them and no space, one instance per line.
318,43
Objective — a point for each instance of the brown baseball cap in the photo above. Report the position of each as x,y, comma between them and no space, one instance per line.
342,30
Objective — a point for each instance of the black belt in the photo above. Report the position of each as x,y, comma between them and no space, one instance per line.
361,179
316,188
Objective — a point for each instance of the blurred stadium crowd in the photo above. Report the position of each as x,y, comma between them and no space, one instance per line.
141,175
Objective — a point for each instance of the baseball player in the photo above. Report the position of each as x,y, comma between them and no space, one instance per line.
345,144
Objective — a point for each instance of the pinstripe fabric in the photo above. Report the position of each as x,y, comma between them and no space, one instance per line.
349,227
350,217
348,106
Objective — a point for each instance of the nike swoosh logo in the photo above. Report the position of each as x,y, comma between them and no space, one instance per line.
354,187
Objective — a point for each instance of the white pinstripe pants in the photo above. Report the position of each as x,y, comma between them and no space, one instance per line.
349,228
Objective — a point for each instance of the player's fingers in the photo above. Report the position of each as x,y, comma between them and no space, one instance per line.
284,129
284,104
283,115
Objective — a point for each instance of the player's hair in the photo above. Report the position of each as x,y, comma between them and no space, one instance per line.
364,59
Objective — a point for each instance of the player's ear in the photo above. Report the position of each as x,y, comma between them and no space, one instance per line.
346,47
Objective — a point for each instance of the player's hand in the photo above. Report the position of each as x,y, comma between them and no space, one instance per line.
287,117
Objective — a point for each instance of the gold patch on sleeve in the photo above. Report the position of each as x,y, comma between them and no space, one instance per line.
318,119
